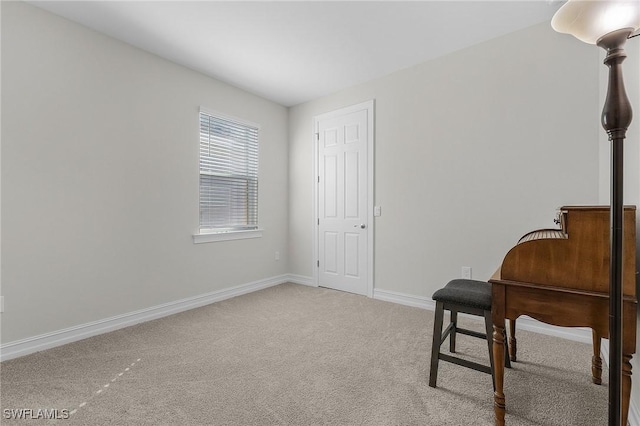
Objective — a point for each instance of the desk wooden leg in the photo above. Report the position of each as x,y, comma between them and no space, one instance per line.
626,386
498,360
596,360
513,348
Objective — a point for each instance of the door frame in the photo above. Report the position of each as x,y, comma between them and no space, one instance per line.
369,106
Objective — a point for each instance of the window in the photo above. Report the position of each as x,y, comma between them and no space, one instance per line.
228,174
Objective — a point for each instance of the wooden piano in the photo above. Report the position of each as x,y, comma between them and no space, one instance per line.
561,277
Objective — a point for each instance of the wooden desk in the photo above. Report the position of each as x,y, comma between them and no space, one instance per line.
563,307
560,277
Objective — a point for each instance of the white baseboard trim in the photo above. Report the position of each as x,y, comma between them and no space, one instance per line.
300,279
578,334
33,344
524,323
60,337
404,299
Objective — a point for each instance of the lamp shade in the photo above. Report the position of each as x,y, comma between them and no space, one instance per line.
588,20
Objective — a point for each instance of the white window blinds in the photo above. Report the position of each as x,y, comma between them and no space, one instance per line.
228,174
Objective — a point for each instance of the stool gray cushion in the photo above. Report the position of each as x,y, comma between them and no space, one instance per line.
472,293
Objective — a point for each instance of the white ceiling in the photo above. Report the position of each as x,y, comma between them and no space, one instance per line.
293,52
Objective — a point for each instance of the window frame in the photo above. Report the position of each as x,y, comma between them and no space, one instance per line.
206,235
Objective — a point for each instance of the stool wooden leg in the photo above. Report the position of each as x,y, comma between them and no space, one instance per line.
488,324
513,348
596,360
452,336
436,342
499,403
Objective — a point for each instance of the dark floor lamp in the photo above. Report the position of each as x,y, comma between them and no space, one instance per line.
608,23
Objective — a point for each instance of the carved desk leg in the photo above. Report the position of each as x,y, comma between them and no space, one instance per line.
596,360
512,340
626,386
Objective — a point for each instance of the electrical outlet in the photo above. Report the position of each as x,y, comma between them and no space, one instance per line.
466,272
277,255
377,211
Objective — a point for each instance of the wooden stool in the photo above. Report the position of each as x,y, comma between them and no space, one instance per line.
470,297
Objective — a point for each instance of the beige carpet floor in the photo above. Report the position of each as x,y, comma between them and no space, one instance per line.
296,355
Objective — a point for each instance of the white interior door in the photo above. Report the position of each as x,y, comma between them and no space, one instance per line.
343,226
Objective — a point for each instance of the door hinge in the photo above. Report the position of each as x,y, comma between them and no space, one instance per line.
318,263
318,179
317,136
318,221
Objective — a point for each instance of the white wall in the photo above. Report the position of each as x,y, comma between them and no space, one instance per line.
99,167
472,150
100,178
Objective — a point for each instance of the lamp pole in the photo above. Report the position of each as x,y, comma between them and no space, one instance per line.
609,24
616,117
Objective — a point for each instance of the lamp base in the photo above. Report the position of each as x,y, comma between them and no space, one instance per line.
616,114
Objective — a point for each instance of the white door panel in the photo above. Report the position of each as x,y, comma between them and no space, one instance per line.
342,201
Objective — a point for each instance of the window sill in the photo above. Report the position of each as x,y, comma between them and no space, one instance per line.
226,236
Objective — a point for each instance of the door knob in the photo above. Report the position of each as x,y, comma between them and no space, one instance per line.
361,226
